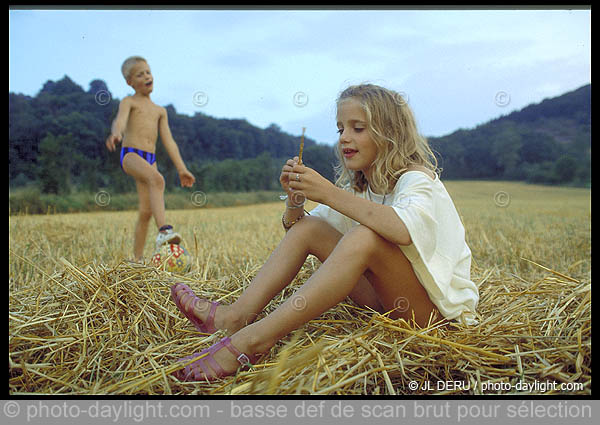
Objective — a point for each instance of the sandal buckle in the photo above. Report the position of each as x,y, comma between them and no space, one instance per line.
243,359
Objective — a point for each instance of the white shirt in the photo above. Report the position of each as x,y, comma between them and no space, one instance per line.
438,253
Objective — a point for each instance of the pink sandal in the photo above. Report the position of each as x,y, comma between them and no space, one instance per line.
207,327
195,371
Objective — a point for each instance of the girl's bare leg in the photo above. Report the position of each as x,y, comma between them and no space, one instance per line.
309,236
360,251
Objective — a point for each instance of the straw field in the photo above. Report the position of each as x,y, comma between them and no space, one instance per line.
83,319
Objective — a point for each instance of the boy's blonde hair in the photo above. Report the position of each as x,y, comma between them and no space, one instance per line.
393,129
129,63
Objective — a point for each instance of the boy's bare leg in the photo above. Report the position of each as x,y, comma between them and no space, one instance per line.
152,180
358,252
144,216
150,186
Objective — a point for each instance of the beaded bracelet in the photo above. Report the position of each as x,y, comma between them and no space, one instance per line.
288,226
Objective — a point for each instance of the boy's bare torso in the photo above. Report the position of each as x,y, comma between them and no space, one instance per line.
142,125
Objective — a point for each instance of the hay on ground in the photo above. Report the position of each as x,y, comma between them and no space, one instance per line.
98,329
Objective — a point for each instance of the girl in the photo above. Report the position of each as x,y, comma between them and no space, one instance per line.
387,234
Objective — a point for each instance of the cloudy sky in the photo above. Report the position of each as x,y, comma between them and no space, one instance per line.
457,68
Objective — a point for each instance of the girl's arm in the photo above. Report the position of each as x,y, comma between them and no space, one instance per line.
382,219
187,178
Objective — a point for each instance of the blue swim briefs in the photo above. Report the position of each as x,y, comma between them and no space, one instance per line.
149,157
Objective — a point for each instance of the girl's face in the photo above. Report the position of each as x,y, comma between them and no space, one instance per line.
141,78
356,146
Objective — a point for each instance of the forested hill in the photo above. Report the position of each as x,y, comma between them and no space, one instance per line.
549,142
56,140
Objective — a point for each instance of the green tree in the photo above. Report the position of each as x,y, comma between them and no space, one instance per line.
565,169
506,144
54,164
322,159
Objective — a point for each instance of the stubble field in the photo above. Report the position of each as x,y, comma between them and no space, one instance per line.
83,319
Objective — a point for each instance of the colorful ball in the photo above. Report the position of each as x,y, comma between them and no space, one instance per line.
173,258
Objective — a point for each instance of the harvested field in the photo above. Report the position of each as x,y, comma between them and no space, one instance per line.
85,320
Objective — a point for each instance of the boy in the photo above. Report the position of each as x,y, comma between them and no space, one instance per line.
138,123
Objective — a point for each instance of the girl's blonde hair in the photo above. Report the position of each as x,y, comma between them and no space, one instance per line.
393,129
129,63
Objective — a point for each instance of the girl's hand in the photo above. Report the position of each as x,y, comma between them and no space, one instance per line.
309,183
187,179
285,174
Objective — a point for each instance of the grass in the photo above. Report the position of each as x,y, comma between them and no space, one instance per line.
85,320
29,200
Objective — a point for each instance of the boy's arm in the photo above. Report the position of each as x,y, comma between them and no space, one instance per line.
119,124
187,178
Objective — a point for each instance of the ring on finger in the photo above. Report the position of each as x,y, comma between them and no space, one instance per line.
298,177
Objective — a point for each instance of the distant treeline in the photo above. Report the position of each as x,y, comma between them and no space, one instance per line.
547,143
56,144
